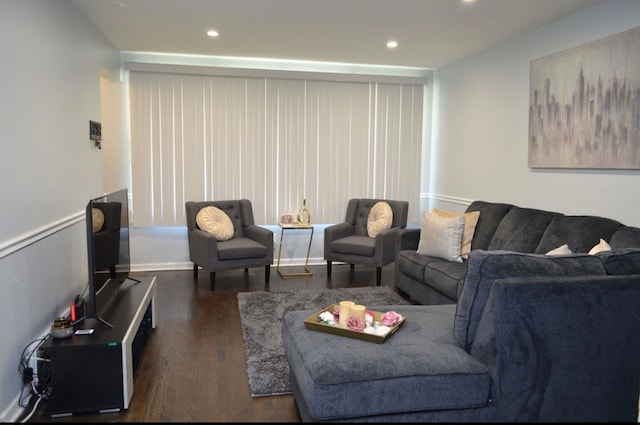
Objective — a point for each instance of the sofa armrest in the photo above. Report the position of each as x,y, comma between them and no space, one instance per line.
563,349
408,238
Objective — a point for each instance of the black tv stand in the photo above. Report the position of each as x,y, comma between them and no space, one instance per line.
94,372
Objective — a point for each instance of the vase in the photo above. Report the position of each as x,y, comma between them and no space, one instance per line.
304,217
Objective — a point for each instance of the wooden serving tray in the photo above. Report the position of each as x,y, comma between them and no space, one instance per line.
314,323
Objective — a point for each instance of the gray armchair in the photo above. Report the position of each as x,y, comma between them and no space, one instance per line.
349,242
250,246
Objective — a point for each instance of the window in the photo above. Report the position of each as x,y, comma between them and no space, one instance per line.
272,140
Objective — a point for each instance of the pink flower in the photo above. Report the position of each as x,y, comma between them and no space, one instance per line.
390,318
355,323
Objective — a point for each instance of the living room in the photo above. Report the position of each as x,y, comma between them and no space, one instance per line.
53,63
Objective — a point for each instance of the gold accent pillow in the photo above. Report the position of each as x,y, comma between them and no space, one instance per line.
470,222
600,247
97,219
380,218
213,220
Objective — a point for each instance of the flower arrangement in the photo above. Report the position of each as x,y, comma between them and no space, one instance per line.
368,325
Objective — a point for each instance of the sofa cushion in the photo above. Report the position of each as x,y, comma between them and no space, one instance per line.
490,215
441,237
445,276
420,367
521,230
621,261
380,218
581,233
484,267
625,237
470,222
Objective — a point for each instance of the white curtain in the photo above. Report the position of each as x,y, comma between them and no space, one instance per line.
274,141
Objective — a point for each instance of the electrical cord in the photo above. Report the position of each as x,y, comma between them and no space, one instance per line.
34,387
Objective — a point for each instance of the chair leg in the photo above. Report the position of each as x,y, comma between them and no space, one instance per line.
378,275
352,266
328,269
212,280
246,270
195,272
267,273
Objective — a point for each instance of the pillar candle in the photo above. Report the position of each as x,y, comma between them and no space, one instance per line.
357,310
345,311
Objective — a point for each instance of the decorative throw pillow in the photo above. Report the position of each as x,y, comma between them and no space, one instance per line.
470,222
97,219
380,218
561,250
213,220
441,237
601,246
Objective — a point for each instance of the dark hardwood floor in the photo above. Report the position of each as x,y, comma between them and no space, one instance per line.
194,366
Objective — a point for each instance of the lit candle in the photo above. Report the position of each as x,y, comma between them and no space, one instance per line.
345,310
357,310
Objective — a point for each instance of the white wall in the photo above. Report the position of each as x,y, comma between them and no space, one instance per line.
481,130
49,91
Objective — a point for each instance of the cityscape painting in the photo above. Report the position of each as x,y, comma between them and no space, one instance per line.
584,109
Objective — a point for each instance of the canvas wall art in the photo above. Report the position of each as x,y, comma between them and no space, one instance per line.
584,109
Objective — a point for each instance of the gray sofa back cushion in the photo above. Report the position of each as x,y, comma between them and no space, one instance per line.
521,230
485,267
581,233
490,216
625,237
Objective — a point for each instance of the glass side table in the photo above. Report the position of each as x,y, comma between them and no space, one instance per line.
295,227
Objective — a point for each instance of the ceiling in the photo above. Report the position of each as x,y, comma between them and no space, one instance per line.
430,33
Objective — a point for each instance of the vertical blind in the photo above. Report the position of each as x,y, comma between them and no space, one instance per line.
274,141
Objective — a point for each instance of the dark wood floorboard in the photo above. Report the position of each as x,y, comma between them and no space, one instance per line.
194,366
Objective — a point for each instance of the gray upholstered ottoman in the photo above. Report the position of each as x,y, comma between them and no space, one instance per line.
418,374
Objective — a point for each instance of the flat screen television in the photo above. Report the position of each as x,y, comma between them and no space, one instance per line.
109,262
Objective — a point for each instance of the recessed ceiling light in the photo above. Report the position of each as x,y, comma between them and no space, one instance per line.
392,44
212,33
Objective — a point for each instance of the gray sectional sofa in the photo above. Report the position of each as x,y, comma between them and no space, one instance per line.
505,227
531,338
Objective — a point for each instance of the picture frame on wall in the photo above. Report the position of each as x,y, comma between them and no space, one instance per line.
584,106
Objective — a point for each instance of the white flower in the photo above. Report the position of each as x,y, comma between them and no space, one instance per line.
326,316
368,319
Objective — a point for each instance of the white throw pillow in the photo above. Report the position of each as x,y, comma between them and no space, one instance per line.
601,246
213,220
471,220
97,219
441,237
561,250
380,218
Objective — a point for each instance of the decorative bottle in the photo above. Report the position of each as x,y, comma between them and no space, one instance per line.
304,217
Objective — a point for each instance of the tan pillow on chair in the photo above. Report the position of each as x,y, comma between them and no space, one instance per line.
213,220
470,222
380,218
97,219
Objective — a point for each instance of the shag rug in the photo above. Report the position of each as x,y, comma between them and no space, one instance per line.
261,316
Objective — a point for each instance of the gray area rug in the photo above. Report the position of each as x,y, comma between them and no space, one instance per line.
261,316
